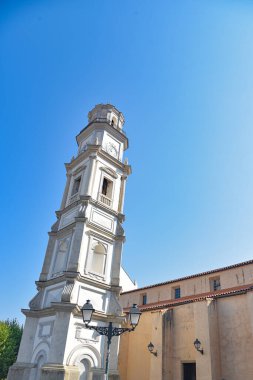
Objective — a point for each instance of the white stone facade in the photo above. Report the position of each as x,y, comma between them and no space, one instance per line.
82,261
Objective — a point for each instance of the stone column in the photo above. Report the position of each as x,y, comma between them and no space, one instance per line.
73,264
116,262
22,369
90,176
48,256
65,194
122,194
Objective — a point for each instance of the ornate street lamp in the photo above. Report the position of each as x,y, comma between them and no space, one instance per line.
109,331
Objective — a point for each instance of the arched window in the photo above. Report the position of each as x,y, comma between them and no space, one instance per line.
98,259
61,255
84,368
40,361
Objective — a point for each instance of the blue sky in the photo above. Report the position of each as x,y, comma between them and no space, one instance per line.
181,72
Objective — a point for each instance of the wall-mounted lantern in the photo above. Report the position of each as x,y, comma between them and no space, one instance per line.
151,349
197,345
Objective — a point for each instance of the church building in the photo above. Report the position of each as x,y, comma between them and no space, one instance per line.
196,327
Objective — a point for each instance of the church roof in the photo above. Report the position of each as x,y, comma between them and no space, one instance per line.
196,298
192,276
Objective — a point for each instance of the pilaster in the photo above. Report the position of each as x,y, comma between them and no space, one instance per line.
27,341
122,193
48,257
65,194
167,345
116,262
90,175
206,330
59,337
73,264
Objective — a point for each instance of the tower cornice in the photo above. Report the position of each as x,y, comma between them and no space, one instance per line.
85,200
77,277
105,125
98,151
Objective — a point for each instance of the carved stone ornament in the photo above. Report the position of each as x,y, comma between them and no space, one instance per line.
55,226
120,230
35,302
109,171
79,169
112,149
67,291
82,211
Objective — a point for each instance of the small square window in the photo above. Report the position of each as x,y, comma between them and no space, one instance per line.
144,299
177,292
107,188
76,186
215,284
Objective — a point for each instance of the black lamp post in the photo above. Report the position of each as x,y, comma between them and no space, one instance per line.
109,331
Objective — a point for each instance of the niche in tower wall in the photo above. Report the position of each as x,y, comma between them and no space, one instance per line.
98,258
61,255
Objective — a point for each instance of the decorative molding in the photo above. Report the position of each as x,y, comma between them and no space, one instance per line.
109,171
99,236
120,230
35,302
96,276
55,226
45,329
102,220
79,169
97,149
67,291
82,210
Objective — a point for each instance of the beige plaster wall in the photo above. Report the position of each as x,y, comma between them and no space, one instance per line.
196,285
224,326
135,361
236,342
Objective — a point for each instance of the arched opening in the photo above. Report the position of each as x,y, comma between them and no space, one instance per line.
40,361
114,121
98,259
84,369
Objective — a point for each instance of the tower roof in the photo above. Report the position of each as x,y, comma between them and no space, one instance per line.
109,113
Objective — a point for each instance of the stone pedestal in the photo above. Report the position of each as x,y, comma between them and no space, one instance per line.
20,371
59,372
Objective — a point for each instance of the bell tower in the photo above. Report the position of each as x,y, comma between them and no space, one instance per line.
82,261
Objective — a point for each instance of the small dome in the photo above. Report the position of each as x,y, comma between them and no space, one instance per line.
107,112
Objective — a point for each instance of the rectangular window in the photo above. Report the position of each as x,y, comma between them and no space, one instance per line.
215,284
107,188
76,186
144,299
177,292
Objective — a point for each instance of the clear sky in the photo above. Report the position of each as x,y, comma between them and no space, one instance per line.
181,72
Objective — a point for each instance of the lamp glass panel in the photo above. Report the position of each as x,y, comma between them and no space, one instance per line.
134,318
86,315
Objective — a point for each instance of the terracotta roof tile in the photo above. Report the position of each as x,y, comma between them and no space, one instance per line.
191,276
195,298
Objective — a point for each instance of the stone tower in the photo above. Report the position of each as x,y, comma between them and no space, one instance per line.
82,261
